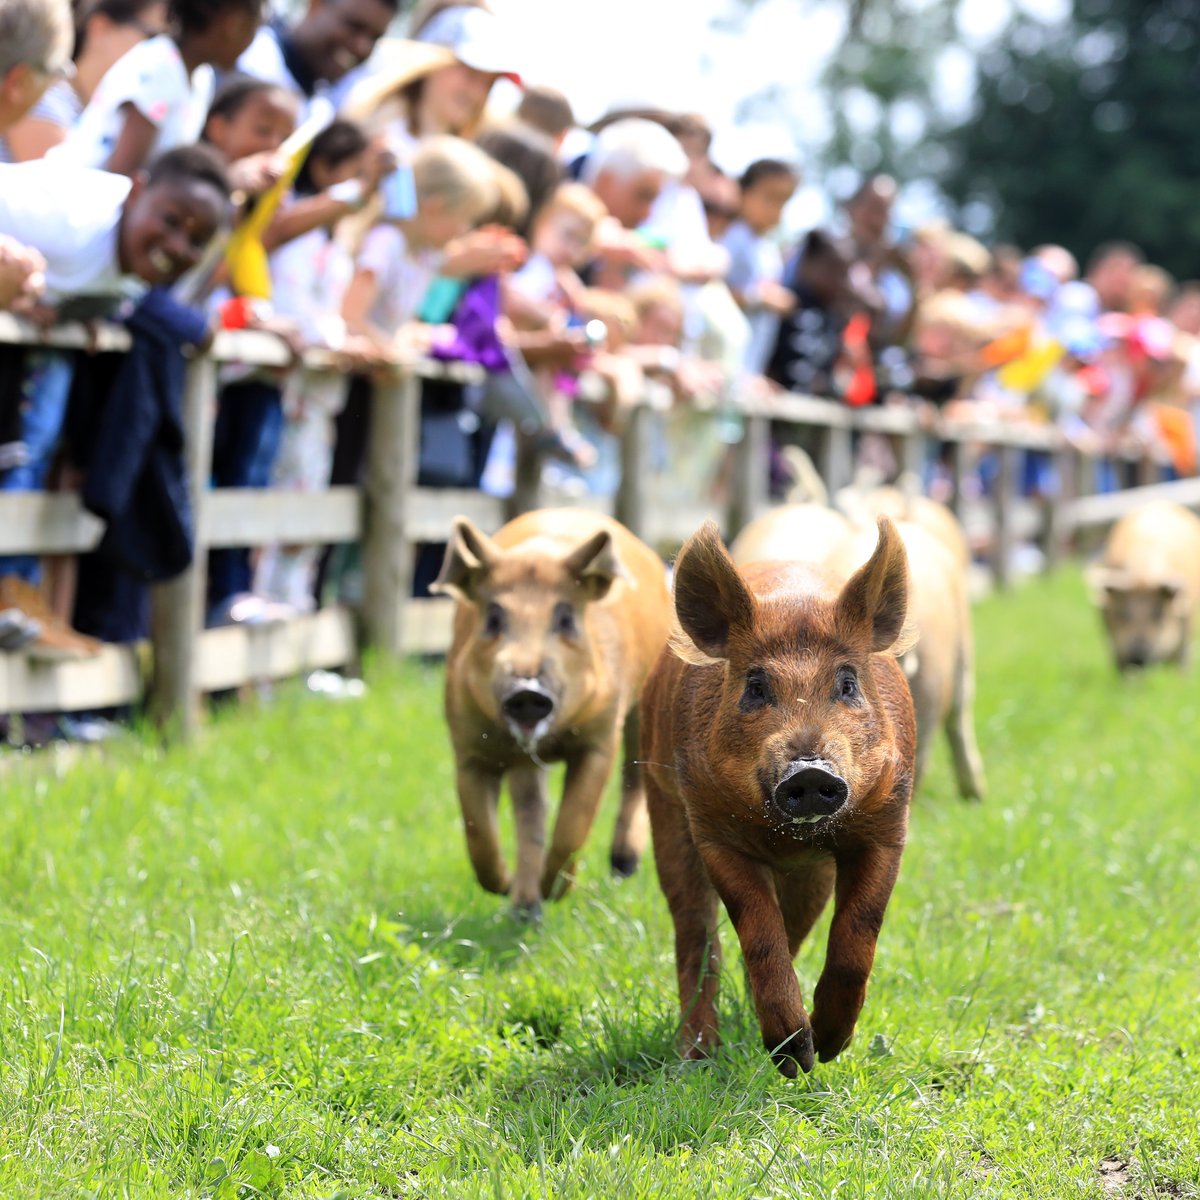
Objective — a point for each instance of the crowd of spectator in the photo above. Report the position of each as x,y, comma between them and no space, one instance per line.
191,165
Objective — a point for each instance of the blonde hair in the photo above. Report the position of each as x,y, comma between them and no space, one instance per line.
38,32
580,201
658,292
512,202
458,174
950,309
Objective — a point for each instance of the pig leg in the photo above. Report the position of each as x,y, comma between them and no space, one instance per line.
527,785
802,898
864,885
748,890
960,729
692,900
587,774
633,825
478,794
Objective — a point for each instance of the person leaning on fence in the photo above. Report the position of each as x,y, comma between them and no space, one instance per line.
157,96
455,184
107,31
105,239
35,48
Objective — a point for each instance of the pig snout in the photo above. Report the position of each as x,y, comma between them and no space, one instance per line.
810,791
527,704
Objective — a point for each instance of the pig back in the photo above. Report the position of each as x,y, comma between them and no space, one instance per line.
791,533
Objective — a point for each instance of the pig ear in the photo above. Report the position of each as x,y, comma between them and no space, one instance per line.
595,565
876,597
1104,581
711,599
469,556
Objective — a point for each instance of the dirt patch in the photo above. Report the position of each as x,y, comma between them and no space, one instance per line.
1114,1176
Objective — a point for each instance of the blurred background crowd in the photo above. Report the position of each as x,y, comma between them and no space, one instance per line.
191,165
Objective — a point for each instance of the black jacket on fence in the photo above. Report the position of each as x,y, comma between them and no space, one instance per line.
136,472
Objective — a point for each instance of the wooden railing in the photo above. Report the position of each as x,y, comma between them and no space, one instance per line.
390,513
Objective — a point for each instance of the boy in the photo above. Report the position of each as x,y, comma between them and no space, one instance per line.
105,238
756,266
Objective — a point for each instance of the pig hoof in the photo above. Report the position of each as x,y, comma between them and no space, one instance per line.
527,912
829,1044
624,863
792,1053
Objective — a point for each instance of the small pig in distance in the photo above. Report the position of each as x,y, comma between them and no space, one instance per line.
559,618
778,740
1147,586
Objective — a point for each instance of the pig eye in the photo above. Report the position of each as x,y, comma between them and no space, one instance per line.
563,621
847,686
493,621
757,693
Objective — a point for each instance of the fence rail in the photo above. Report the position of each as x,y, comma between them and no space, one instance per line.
390,514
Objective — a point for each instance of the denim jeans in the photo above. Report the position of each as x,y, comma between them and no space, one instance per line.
246,439
47,386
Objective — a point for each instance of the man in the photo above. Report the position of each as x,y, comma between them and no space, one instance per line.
321,55
1110,273
35,49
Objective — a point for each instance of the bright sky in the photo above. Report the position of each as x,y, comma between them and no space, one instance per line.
709,55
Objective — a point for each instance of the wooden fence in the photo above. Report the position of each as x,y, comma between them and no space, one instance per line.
389,514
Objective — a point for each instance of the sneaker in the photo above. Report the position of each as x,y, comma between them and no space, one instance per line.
335,686
245,608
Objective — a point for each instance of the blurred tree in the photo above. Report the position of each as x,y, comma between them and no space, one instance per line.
1086,131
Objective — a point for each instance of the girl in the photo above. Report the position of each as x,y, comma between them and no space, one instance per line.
157,95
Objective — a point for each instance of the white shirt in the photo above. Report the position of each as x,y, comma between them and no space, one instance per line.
154,80
753,259
401,276
72,215
309,278
263,59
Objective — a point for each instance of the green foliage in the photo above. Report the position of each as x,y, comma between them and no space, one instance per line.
261,968
1086,132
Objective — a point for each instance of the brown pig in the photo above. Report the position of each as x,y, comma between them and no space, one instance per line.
1148,586
778,744
559,618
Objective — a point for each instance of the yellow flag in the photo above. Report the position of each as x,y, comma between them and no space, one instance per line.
245,255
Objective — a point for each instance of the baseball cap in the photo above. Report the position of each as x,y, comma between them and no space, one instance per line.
476,37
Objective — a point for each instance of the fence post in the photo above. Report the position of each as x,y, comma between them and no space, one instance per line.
1056,532
957,453
912,460
837,460
1005,496
751,466
177,606
392,451
629,506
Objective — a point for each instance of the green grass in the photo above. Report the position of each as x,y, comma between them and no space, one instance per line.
261,967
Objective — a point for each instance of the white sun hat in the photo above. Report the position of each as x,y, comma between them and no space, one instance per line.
476,37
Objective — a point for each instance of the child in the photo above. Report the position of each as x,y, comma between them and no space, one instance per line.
809,342
456,187
104,237
248,122
310,276
156,96
756,267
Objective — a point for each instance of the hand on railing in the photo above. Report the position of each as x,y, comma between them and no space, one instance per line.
22,274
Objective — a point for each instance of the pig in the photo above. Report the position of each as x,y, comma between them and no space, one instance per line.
804,532
778,741
559,618
1147,586
864,505
940,665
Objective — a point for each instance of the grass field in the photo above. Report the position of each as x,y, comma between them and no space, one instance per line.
261,967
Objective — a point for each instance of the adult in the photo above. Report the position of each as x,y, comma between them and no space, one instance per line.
1110,272
108,31
35,49
321,56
